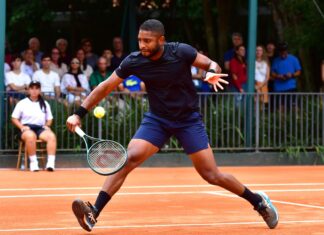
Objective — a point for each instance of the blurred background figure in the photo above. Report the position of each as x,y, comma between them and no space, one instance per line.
107,53
29,66
34,45
74,85
57,65
33,117
118,52
237,40
84,66
262,74
62,46
100,74
91,57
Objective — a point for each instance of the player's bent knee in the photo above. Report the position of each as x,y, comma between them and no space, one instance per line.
215,178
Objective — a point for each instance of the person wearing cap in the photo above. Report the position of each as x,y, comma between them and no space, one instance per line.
285,70
33,117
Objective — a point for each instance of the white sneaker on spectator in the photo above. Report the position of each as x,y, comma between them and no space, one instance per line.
33,166
50,165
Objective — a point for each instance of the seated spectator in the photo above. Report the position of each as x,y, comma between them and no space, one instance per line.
33,117
34,45
84,66
49,80
29,66
107,53
262,74
57,65
16,81
62,45
91,58
75,84
101,74
118,53
132,84
285,70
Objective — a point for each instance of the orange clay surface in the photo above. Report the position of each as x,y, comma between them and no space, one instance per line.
162,201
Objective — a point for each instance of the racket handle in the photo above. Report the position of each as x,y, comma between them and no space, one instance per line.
79,131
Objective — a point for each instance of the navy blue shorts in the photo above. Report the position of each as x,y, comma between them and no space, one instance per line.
35,128
190,132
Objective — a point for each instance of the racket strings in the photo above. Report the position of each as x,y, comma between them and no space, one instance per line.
106,157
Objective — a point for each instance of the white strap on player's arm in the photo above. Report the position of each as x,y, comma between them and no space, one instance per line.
79,131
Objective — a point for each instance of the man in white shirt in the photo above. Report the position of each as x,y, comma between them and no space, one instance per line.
49,80
29,66
16,81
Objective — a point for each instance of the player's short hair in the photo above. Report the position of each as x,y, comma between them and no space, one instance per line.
153,26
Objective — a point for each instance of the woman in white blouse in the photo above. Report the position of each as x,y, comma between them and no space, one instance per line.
75,84
262,74
84,66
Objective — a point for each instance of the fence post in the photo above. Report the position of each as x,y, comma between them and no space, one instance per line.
2,53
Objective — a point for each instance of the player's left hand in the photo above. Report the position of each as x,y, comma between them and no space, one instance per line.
216,79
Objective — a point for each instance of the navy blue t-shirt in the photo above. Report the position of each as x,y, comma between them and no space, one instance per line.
168,81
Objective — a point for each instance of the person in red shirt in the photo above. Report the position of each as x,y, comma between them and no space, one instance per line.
238,69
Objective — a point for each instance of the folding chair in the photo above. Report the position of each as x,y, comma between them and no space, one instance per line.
40,151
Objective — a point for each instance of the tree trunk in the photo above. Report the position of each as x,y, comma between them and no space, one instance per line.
208,19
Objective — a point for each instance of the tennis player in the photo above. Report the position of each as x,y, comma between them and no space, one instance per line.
165,69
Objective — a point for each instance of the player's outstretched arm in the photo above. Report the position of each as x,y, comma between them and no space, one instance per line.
213,75
100,92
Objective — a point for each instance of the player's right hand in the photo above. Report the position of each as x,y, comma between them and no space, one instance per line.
72,122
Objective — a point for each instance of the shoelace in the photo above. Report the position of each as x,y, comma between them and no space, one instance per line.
92,214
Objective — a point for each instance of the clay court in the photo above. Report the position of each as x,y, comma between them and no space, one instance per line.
162,201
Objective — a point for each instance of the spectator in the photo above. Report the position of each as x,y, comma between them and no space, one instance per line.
8,56
285,70
237,40
34,45
132,84
29,66
271,51
49,80
84,66
101,74
7,68
62,45
107,53
262,74
118,53
57,65
74,83
238,69
91,58
33,117
16,81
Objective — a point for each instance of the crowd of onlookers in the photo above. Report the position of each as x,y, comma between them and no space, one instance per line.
64,76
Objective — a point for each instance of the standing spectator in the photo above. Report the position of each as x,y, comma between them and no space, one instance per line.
16,81
285,70
34,45
6,68
107,53
74,83
101,74
271,51
238,69
262,74
118,53
57,65
49,80
33,117
91,58
84,66
29,66
62,45
237,40
132,84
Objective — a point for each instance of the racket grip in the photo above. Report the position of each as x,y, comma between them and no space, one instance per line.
79,131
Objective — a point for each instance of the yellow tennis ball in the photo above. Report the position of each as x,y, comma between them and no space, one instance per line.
99,112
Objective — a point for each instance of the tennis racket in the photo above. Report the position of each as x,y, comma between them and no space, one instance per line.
105,157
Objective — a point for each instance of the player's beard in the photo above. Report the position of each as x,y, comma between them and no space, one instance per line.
153,52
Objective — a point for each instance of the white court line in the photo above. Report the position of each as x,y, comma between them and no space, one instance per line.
277,201
150,193
156,186
162,226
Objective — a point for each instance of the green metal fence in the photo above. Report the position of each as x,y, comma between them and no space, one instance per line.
234,122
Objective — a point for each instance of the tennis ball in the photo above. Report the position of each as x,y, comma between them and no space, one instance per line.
99,112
